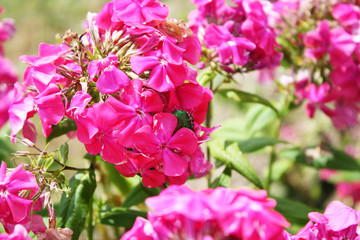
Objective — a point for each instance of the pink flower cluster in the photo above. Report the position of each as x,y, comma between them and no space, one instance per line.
238,34
332,58
17,187
338,222
181,213
126,84
8,74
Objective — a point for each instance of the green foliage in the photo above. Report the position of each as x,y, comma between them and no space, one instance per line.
234,159
331,159
257,143
74,208
123,184
138,195
119,217
65,126
223,180
206,77
245,97
64,153
294,212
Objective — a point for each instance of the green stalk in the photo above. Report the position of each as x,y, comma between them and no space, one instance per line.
208,125
272,160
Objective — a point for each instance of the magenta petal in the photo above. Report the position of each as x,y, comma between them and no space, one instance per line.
155,13
94,147
164,126
29,131
50,105
18,113
146,141
190,95
176,73
151,101
86,129
341,216
112,80
2,171
171,52
183,140
112,151
159,80
153,178
174,164
140,64
19,207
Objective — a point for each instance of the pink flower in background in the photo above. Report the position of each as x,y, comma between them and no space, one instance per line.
338,222
231,49
19,233
8,73
317,41
181,213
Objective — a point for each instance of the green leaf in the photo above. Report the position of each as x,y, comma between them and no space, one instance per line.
254,144
74,209
295,212
48,162
65,126
64,153
235,159
138,195
345,176
119,217
331,159
231,130
206,77
259,118
123,184
223,180
245,97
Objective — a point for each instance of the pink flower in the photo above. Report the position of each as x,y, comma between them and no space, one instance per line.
347,14
135,110
231,49
19,233
161,142
181,213
317,41
165,75
13,205
50,107
338,222
142,11
42,69
112,80
96,128
21,109
256,27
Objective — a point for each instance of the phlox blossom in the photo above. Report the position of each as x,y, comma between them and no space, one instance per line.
19,233
181,213
13,205
337,223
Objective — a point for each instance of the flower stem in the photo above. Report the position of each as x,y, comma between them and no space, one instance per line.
272,160
208,125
